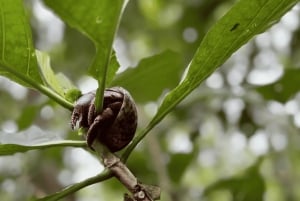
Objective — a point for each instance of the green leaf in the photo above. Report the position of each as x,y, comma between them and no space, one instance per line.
246,187
241,23
58,82
99,20
96,19
152,75
17,54
284,89
27,116
113,68
9,149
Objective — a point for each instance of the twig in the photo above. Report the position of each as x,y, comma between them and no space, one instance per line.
139,191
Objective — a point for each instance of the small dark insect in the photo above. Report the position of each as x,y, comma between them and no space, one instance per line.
114,126
235,26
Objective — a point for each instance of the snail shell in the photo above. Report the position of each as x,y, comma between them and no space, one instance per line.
115,125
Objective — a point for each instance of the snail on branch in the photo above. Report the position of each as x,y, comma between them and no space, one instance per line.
114,126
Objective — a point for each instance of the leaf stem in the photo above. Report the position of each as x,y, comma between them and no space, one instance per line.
103,74
55,97
101,82
41,88
106,174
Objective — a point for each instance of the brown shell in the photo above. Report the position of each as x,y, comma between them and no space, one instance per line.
122,130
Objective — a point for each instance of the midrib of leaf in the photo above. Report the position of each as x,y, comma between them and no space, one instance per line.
102,75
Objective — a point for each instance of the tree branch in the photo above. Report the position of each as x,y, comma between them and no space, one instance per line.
139,191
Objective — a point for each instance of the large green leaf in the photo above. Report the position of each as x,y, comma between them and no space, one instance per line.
244,20
241,23
151,76
17,54
99,20
96,19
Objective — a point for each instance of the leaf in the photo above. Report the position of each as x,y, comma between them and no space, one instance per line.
151,75
112,69
247,187
99,20
27,116
58,82
242,22
96,19
9,149
17,54
284,89
47,72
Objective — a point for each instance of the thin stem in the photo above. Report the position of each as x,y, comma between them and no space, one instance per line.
103,75
135,141
106,174
42,88
55,97
101,82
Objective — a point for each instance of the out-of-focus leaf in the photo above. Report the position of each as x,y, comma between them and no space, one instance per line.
17,54
113,68
152,76
178,165
9,149
27,116
47,72
242,22
247,187
139,163
284,89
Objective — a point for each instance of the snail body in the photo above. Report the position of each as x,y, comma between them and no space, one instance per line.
114,126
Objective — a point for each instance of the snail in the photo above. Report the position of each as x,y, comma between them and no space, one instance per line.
114,126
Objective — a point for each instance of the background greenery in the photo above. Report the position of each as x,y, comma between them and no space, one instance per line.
235,137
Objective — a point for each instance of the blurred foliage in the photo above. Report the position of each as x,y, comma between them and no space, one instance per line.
235,138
